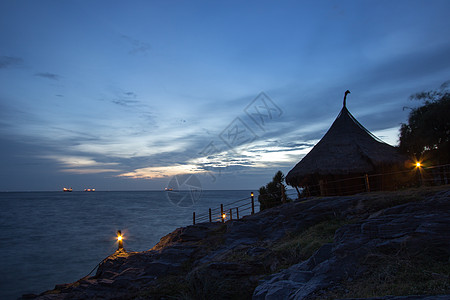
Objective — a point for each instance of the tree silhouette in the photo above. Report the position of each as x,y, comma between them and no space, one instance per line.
428,129
273,193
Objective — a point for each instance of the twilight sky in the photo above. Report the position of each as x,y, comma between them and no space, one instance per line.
123,95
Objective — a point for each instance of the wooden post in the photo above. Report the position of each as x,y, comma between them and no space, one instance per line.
322,187
444,178
221,213
366,180
237,213
210,219
231,214
253,203
193,218
298,192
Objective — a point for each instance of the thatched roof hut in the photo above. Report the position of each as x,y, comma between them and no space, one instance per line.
347,150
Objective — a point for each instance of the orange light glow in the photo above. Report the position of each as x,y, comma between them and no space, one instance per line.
251,194
418,164
119,238
224,216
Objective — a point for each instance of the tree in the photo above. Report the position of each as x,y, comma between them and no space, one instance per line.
428,129
273,193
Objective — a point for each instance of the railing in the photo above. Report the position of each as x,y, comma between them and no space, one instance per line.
418,176
229,211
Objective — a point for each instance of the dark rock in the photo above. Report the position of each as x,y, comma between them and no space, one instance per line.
414,297
420,230
255,251
232,260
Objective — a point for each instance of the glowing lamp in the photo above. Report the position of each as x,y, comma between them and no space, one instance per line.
251,194
224,216
120,239
418,164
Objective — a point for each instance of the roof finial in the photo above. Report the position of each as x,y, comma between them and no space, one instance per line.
345,97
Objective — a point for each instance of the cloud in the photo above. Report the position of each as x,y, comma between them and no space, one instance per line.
277,146
411,66
47,75
82,164
137,46
89,171
9,61
124,102
163,171
257,155
125,98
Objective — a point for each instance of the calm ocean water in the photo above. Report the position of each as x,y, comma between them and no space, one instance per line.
50,238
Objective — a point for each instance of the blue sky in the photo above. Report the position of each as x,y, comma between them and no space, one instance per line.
125,95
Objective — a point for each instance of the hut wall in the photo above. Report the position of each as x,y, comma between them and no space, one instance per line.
383,178
345,184
336,185
388,178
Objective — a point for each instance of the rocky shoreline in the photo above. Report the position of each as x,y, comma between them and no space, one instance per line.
350,247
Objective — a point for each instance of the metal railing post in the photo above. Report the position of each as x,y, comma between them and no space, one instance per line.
253,203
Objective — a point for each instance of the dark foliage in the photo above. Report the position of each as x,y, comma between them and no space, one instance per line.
272,194
428,129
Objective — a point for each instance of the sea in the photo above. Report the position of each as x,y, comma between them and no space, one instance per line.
50,238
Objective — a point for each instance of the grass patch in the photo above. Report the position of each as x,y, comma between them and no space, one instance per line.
375,202
210,287
167,287
214,239
239,256
381,200
296,247
397,276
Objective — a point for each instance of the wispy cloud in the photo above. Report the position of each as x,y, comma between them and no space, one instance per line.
137,46
124,102
163,172
82,165
261,154
89,171
125,99
9,61
47,75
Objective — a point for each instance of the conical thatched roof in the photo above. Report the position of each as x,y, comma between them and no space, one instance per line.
347,148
